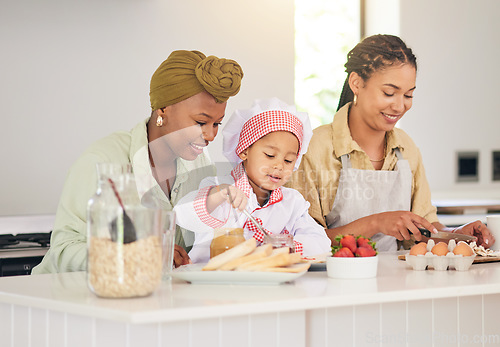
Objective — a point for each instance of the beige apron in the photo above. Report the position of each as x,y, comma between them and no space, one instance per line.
365,192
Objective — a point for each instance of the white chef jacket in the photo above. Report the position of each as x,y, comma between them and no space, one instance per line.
285,212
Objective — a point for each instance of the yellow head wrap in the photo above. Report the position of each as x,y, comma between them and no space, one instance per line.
187,73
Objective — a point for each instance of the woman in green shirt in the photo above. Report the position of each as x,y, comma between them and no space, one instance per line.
188,95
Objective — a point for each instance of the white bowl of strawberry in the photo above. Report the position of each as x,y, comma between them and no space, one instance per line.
354,257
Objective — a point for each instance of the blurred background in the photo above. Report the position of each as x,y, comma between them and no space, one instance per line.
75,71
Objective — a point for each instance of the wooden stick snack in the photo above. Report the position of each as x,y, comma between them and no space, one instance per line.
237,251
259,253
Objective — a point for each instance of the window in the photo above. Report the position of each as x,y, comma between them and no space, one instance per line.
325,31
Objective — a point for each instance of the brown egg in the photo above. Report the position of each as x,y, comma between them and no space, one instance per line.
463,249
419,248
440,248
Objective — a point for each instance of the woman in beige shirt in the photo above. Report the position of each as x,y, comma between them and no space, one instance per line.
363,176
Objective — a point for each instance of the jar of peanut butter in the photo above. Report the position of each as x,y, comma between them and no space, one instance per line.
280,240
224,239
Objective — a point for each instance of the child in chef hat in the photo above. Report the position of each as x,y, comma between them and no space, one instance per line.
265,143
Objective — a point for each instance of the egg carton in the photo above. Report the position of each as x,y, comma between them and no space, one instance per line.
440,263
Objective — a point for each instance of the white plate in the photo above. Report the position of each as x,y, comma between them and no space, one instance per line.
194,274
318,262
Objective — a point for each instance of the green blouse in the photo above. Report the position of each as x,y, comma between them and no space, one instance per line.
68,244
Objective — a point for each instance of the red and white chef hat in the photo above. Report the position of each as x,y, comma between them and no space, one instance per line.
266,116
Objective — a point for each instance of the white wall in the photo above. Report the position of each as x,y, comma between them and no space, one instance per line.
75,71
382,17
455,106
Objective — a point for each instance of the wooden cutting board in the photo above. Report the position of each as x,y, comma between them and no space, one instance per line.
477,260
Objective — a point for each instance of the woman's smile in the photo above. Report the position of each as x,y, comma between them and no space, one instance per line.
197,148
391,118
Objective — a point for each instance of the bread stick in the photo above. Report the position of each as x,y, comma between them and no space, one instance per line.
280,259
259,253
294,268
281,250
237,251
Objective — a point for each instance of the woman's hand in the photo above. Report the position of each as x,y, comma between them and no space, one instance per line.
399,223
478,229
180,256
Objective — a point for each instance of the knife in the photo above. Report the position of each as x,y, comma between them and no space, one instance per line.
445,236
257,224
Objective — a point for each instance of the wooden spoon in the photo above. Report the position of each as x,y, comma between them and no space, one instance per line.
129,232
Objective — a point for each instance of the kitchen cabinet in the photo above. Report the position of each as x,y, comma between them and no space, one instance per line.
467,206
398,307
456,212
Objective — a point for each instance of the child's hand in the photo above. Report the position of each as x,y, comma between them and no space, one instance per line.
219,194
239,198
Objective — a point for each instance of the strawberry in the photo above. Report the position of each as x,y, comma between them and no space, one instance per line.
344,252
362,241
365,251
349,241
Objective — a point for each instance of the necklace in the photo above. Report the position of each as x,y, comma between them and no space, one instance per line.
381,159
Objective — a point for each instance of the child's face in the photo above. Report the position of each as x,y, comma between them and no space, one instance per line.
269,161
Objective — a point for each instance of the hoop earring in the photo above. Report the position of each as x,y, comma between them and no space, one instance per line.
159,121
355,100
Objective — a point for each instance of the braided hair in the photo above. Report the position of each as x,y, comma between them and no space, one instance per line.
372,54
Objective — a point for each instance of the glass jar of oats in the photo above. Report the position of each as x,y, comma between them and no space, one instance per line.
124,243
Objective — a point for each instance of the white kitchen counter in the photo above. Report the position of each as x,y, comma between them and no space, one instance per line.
314,310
